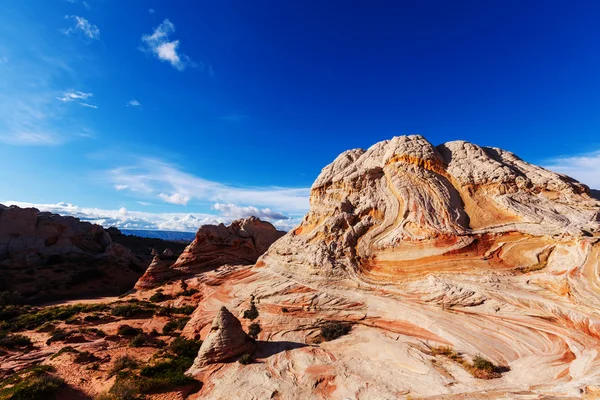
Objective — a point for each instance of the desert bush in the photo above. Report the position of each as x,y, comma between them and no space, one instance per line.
159,297
185,347
130,310
174,325
138,341
58,335
170,310
38,387
31,384
66,349
124,389
483,364
124,362
252,312
254,329
13,341
127,330
284,310
333,330
246,359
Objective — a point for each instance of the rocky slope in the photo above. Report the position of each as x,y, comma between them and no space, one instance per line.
436,255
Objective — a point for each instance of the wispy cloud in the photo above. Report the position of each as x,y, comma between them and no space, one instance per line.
134,103
585,168
125,219
82,26
155,178
151,10
159,44
25,121
75,95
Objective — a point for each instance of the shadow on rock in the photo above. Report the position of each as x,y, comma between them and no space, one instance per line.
267,349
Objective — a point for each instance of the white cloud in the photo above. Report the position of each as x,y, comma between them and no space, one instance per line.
585,168
121,187
74,95
175,198
82,26
159,44
155,178
151,10
235,212
126,219
134,103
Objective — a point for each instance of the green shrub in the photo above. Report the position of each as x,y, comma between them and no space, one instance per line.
138,341
125,389
159,297
252,312
333,330
254,329
482,364
170,310
13,341
185,347
43,387
20,318
66,349
126,330
124,362
246,359
47,327
130,310
58,336
174,325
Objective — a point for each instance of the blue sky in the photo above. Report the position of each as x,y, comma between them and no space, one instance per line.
156,114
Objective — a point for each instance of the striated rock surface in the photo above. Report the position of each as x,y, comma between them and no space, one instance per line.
44,255
225,340
421,247
242,242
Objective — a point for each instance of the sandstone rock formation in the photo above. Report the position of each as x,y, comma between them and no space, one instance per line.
43,255
158,271
242,242
225,340
422,247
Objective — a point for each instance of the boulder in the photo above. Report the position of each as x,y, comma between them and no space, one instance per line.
225,340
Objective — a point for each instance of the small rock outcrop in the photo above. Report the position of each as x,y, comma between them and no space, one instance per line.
158,271
240,243
225,340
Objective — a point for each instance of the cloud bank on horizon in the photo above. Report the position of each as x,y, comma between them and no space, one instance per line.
185,222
